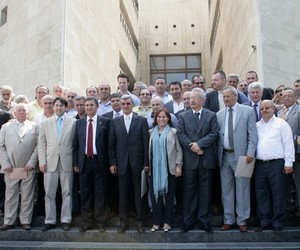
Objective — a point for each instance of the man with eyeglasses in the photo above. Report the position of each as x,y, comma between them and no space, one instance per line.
145,108
128,156
198,81
70,96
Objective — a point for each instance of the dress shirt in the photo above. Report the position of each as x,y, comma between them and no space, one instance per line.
94,123
142,112
104,108
275,141
200,111
71,112
234,108
257,108
115,113
166,97
177,106
220,99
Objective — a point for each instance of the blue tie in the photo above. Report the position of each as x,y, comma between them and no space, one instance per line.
256,113
59,123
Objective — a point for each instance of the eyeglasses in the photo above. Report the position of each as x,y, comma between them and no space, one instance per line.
147,94
71,96
198,82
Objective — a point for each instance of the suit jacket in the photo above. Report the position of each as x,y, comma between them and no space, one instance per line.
205,136
169,106
79,142
244,132
18,150
4,117
129,147
212,101
293,119
51,148
109,115
174,151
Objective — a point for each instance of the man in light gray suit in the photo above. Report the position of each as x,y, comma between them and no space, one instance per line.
18,150
55,161
237,137
291,114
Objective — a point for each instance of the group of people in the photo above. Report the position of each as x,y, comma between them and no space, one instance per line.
107,150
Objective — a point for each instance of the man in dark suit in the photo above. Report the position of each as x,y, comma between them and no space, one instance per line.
214,100
115,101
197,133
4,118
90,159
128,156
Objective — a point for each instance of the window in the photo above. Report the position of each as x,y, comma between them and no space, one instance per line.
175,67
3,16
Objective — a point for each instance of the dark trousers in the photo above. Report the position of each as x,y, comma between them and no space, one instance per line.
93,188
197,185
125,182
2,191
76,194
270,188
163,207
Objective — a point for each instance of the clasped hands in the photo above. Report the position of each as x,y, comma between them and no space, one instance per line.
195,148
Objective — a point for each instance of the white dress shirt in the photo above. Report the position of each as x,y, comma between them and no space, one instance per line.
275,141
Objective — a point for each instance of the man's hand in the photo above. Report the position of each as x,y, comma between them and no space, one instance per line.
43,168
249,159
194,147
287,170
113,169
9,170
76,169
28,168
147,169
178,171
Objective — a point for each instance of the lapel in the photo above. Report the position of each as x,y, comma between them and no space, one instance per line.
133,122
239,113
52,124
216,99
292,112
99,125
202,119
223,120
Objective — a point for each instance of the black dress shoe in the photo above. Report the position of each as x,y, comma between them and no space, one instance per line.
85,228
66,226
122,228
206,227
26,227
48,227
262,228
277,229
186,228
6,227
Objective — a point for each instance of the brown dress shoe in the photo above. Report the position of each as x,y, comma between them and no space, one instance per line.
227,227
26,227
6,227
243,228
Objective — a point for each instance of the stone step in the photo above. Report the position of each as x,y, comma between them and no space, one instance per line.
289,234
27,245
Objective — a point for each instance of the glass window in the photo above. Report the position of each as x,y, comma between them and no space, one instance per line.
175,62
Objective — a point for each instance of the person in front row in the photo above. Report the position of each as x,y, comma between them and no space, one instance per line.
197,132
165,157
275,155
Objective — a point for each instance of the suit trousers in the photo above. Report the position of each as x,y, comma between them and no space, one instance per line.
127,181
163,207
50,184
197,184
235,192
270,188
297,183
13,187
93,190
2,191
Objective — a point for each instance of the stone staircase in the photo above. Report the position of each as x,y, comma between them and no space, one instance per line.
17,238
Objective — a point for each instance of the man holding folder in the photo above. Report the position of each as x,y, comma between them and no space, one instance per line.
237,137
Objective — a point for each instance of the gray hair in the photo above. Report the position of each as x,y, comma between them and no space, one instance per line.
200,91
233,90
255,85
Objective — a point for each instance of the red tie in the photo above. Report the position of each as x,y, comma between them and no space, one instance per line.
90,139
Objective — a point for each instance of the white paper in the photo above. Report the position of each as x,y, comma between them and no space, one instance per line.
243,169
18,174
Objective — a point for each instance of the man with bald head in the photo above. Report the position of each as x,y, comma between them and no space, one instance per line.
186,85
275,155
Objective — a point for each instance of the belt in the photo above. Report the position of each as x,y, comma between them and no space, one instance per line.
229,150
268,161
91,156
